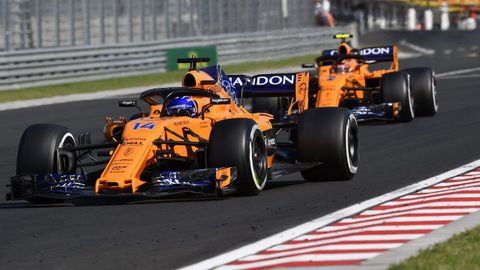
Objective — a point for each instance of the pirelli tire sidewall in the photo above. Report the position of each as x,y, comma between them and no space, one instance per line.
39,153
38,148
424,90
329,136
240,143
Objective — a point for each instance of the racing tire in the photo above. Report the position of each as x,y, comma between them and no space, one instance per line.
38,153
239,143
395,87
329,136
424,90
271,105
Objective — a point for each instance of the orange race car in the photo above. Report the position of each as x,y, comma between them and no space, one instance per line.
345,78
197,138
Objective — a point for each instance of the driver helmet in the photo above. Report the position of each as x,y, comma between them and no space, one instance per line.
182,106
343,68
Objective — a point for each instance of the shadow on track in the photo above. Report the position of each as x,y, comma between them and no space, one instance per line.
185,198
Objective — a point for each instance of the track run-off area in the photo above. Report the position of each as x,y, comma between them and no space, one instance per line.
181,232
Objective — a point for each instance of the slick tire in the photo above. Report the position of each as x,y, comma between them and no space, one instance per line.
395,87
38,152
239,143
328,136
271,105
424,90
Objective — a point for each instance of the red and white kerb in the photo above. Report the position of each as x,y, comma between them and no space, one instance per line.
375,230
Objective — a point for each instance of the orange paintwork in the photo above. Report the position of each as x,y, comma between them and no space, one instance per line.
137,150
331,91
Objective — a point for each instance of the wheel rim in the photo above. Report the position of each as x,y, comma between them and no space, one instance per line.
62,163
259,161
351,142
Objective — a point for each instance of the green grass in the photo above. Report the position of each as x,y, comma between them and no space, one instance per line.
141,80
460,252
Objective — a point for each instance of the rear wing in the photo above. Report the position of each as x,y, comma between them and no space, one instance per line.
379,54
273,85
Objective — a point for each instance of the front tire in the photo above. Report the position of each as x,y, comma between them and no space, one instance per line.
329,136
240,143
38,152
395,87
424,90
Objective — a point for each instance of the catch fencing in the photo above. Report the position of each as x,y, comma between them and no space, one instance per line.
29,24
25,68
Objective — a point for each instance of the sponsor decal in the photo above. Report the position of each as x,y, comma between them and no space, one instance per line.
135,139
220,100
377,51
265,80
133,143
128,151
149,125
118,168
273,80
181,123
124,160
271,142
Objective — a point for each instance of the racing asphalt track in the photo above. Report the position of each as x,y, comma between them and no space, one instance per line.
166,235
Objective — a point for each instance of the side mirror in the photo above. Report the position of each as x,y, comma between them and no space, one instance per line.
127,103
308,65
130,104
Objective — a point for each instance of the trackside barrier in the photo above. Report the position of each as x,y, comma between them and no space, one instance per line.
27,68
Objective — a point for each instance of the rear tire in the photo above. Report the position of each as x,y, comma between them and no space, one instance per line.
37,152
240,143
330,136
424,90
395,87
271,105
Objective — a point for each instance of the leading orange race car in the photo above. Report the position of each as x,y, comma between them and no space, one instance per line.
197,138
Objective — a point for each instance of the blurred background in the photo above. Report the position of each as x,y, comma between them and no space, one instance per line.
27,24
58,41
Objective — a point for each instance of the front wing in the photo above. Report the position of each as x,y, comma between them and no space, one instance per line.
72,187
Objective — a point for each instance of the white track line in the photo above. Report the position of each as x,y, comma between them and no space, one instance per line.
315,224
421,50
21,104
457,72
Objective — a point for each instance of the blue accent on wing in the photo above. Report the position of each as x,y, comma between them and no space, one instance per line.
265,84
218,74
364,112
378,53
384,53
329,53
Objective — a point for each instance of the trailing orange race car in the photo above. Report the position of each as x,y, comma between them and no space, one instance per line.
344,78
197,138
